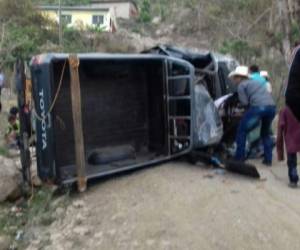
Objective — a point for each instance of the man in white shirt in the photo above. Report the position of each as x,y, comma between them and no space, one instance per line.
265,75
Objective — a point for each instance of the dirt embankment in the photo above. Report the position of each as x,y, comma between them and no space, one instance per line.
179,206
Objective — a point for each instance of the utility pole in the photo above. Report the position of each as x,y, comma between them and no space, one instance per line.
60,25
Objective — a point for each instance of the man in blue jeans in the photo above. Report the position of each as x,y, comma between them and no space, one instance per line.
260,107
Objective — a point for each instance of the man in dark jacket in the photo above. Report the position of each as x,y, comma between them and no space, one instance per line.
293,86
260,108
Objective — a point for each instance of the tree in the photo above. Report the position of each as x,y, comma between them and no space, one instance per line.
145,13
285,24
23,30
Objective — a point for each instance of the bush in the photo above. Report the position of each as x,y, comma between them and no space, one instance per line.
145,13
23,29
240,49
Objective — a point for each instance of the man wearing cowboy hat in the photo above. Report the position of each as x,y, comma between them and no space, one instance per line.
260,108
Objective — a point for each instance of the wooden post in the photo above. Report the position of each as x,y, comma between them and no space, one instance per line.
77,121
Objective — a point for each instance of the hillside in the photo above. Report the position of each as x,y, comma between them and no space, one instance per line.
253,31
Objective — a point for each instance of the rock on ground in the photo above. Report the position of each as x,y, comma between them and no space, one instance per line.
10,179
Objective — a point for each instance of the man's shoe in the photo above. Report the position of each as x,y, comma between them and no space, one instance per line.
293,184
267,163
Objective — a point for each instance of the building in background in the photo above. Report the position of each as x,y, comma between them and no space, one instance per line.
123,8
87,16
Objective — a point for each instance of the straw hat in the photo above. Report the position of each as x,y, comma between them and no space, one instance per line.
240,71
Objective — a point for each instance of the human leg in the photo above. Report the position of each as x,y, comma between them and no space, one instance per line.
241,136
292,166
254,141
268,115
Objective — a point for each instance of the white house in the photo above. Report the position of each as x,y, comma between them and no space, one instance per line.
122,8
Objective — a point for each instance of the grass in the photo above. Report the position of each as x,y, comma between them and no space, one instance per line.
39,210
4,151
35,211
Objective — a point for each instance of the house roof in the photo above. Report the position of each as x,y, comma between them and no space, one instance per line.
79,7
115,1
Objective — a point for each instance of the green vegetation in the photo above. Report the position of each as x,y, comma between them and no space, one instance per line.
23,31
295,32
3,151
145,12
240,49
250,30
39,210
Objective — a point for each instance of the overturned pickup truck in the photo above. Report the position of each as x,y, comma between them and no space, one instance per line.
100,114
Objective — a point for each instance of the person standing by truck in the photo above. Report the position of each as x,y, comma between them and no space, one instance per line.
265,74
292,92
289,119
256,76
288,134
260,107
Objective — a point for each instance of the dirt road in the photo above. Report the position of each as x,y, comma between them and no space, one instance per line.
179,206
